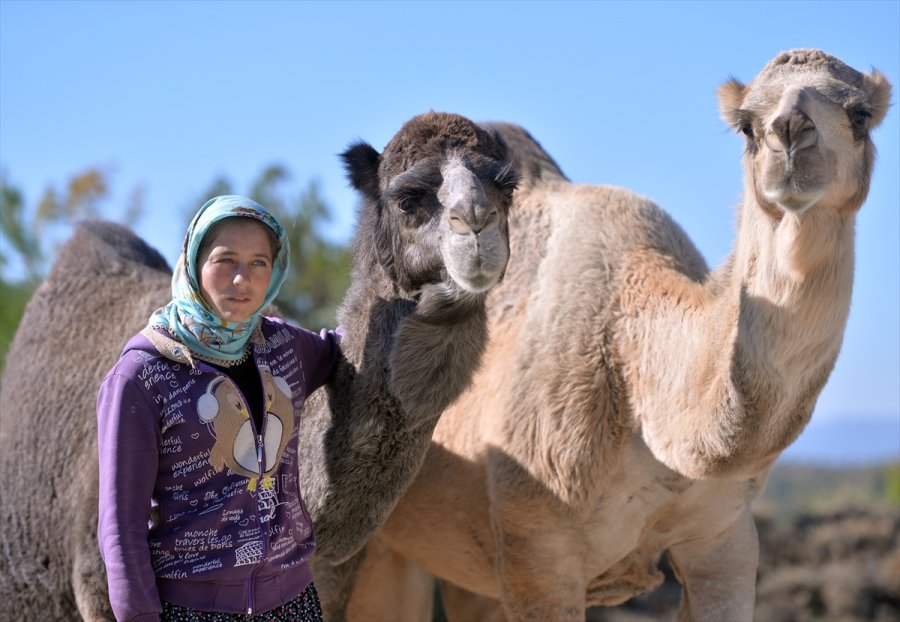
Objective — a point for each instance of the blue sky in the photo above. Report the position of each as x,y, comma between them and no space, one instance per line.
170,95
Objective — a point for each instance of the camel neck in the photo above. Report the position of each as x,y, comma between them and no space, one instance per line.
755,343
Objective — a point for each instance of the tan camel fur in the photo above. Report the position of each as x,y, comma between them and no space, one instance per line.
631,402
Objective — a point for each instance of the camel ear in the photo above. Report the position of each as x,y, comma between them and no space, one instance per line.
361,162
731,96
879,90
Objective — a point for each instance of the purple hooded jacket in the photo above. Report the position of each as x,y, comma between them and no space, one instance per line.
197,506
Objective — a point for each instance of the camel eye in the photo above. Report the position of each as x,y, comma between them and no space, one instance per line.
860,118
409,199
859,122
747,129
507,178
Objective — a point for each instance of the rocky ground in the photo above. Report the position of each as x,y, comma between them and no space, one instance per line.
836,566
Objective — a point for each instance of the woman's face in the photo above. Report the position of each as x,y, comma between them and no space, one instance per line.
235,267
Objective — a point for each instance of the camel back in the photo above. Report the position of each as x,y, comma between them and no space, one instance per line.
528,157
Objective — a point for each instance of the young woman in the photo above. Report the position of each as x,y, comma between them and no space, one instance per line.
201,516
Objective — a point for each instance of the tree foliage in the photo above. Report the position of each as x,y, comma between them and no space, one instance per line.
33,234
16,231
14,296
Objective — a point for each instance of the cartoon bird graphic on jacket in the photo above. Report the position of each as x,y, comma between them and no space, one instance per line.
236,447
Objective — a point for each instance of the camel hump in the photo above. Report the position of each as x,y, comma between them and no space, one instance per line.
104,247
123,242
528,157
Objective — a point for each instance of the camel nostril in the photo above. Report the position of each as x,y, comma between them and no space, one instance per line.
791,131
473,220
807,136
775,140
459,225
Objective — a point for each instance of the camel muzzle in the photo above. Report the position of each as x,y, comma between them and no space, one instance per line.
792,132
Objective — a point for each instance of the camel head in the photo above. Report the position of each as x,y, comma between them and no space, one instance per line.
436,202
807,118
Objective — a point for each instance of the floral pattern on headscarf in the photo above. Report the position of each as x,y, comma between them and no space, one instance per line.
189,317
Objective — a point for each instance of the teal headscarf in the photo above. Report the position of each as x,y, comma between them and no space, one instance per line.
188,317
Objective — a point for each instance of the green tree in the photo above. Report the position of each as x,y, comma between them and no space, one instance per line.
16,232
33,234
17,237
15,296
320,269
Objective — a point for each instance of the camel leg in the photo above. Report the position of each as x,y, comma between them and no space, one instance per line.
461,605
334,584
540,579
89,573
540,564
389,587
89,585
718,576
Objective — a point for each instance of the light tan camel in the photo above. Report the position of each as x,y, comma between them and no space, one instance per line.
631,402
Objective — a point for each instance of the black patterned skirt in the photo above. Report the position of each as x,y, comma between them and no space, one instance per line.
304,608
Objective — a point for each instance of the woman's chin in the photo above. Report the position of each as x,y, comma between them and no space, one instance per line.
234,316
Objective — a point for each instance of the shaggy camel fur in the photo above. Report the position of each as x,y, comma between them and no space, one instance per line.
631,402
432,240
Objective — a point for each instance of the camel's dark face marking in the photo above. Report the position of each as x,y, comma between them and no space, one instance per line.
438,200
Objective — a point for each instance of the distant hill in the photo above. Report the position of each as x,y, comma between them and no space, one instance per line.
847,442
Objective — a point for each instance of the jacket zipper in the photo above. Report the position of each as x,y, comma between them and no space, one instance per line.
260,457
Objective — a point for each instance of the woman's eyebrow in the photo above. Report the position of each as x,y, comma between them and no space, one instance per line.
220,250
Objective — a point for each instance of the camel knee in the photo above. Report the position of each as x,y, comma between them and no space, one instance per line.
90,589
